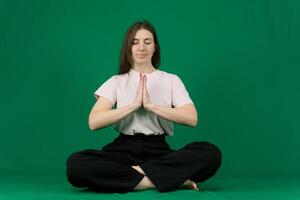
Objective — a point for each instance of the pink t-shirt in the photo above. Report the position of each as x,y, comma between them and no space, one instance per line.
164,89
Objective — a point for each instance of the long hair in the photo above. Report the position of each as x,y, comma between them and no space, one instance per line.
126,58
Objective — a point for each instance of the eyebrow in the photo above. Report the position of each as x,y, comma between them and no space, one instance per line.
144,39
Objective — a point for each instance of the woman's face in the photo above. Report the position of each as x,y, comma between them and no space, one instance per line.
143,46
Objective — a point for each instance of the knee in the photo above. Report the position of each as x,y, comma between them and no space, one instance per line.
216,155
73,164
212,152
75,171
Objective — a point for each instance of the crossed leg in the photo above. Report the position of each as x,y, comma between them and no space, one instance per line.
112,172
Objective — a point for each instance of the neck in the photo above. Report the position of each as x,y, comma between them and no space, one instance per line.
144,68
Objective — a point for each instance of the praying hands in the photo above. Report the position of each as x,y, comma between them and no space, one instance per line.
142,95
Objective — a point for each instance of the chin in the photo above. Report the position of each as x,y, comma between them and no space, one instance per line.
140,61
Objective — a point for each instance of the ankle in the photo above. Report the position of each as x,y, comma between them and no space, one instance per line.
139,169
149,183
144,184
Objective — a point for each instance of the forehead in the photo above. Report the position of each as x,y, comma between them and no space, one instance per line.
143,33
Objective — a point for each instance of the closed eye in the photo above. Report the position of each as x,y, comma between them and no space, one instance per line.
146,41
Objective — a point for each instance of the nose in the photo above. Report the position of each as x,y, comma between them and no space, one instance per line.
141,46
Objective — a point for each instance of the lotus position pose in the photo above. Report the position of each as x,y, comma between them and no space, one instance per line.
148,102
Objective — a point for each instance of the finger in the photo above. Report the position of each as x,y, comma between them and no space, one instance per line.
141,77
144,77
141,81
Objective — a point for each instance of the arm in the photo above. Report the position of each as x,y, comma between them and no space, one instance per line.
103,115
186,114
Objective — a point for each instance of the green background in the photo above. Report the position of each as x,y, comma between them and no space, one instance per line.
239,61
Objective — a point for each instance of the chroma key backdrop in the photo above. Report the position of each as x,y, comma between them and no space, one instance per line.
239,61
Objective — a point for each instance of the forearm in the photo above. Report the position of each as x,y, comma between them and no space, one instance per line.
102,119
184,116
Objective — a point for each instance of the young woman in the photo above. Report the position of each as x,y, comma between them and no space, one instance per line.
148,102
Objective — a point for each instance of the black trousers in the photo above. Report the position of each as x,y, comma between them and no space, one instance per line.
109,169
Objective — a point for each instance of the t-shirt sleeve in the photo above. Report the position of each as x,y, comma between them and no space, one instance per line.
108,90
180,95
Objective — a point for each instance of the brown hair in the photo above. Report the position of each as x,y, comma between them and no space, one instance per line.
126,59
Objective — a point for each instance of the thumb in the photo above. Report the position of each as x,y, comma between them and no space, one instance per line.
145,84
141,82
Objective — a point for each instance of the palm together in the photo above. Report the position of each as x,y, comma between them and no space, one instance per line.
143,95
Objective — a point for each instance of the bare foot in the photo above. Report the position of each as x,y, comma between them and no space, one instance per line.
190,185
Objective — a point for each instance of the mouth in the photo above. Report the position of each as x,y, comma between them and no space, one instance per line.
141,55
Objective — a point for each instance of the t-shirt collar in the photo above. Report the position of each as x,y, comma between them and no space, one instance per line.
133,71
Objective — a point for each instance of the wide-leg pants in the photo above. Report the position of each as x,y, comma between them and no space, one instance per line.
109,169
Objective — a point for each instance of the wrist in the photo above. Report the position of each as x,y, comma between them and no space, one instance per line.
134,106
150,107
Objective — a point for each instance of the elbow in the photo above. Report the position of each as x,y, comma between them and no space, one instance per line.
91,123
192,116
91,126
194,122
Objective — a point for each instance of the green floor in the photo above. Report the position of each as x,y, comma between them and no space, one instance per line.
56,187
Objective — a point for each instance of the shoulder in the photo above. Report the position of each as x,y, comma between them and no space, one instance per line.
173,78
111,78
167,74
116,77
